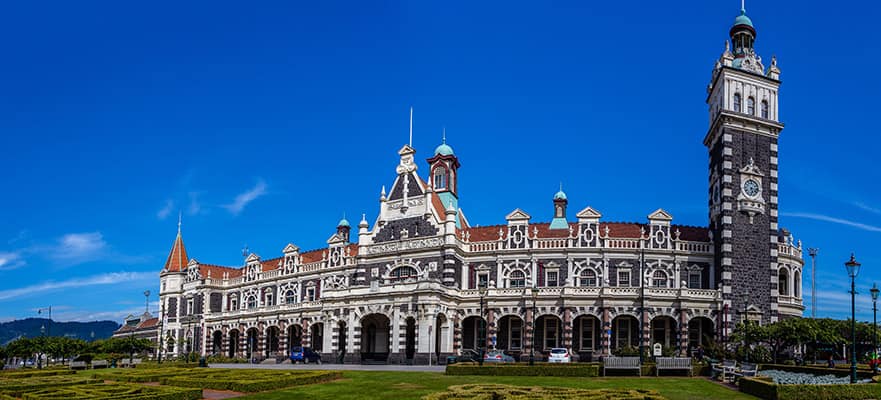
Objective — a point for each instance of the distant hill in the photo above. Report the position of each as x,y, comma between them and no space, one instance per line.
30,327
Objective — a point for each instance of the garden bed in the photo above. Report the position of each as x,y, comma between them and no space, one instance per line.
250,381
765,388
539,369
500,392
17,387
116,391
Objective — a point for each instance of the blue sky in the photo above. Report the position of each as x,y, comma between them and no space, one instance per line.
263,124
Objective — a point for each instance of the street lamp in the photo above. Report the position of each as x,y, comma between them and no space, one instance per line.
482,292
532,339
874,291
160,344
746,324
40,311
40,352
853,268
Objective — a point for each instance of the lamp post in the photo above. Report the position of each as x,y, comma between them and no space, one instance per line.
49,328
874,291
532,339
160,344
482,292
40,352
746,324
853,268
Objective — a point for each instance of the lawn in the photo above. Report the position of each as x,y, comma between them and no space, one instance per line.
414,385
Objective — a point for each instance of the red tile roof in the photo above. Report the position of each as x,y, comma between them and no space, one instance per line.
217,271
177,258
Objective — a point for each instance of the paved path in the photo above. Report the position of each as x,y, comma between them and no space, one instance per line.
337,367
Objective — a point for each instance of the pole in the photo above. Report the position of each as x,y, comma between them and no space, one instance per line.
874,328
813,253
853,331
160,344
532,338
482,333
641,299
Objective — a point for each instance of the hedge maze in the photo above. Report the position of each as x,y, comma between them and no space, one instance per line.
125,384
506,392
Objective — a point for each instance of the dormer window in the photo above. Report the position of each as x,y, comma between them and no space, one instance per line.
517,279
736,104
751,106
765,109
659,279
440,178
588,278
252,302
290,297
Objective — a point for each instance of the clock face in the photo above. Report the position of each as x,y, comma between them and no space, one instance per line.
751,187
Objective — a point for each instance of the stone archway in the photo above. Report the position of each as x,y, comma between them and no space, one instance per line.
548,333
233,343
510,335
587,337
625,332
441,336
252,341
295,336
663,331
375,334
410,338
272,342
316,331
342,339
701,332
216,342
474,333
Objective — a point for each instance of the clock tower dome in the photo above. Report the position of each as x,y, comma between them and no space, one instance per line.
742,142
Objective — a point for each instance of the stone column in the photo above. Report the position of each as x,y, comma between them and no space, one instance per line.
283,337
567,329
307,333
457,333
224,342
607,328
528,333
683,333
491,328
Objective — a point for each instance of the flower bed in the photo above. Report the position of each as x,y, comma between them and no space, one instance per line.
801,378
116,391
499,392
539,369
765,388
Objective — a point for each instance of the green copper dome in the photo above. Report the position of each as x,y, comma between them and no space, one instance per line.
742,19
343,222
560,195
443,150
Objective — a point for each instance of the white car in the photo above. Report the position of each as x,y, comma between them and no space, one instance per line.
558,355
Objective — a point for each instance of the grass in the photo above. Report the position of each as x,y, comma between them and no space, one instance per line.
414,385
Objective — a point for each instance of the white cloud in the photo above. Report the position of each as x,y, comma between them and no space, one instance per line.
245,198
76,248
866,207
113,315
103,279
10,260
195,207
826,218
166,210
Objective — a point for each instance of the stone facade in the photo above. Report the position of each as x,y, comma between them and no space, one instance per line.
422,283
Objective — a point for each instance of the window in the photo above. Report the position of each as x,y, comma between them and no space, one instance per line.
189,306
269,299
796,284
751,106
587,334
551,329
624,278
622,334
783,283
290,297
551,278
252,302
483,280
310,294
588,278
659,279
765,109
516,333
736,104
440,178
403,273
233,304
694,279
517,279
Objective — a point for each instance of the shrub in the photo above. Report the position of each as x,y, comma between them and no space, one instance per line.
34,373
539,369
16,387
250,380
116,391
220,359
144,375
499,392
766,389
862,374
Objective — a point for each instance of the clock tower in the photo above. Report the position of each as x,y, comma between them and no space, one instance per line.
742,142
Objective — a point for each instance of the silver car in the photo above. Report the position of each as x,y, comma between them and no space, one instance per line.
558,355
497,356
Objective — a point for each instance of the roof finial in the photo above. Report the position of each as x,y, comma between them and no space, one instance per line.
411,126
179,219
445,135
561,186
743,6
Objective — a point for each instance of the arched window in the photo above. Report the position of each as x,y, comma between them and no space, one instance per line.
796,284
252,302
517,279
765,109
588,278
751,106
659,279
290,297
737,104
403,273
440,178
783,283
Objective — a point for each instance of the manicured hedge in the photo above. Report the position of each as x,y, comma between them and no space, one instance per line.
250,381
28,373
15,387
862,374
499,392
766,389
116,391
539,369
148,375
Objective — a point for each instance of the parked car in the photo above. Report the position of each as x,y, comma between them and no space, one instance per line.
304,355
467,355
559,355
497,356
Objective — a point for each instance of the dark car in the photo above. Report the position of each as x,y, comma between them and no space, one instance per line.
467,355
304,355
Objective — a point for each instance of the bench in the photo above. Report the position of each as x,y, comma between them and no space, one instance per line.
747,370
622,363
723,369
99,364
136,362
673,363
78,365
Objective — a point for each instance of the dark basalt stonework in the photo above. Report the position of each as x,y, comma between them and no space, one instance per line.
172,307
392,229
214,302
413,189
